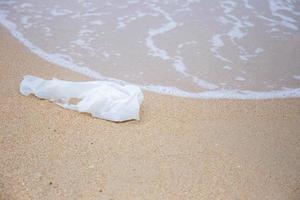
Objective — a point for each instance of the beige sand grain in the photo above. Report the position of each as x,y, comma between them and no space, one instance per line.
181,148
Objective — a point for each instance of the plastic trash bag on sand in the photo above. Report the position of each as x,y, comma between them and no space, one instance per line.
102,99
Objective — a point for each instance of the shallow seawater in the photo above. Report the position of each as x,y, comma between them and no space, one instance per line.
196,48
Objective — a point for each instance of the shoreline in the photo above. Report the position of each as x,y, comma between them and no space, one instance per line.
164,90
180,149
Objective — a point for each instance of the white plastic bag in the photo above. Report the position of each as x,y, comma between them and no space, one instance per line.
106,100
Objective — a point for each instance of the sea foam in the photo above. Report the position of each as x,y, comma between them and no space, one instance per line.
168,46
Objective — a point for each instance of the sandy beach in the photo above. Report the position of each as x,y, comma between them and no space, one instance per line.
180,149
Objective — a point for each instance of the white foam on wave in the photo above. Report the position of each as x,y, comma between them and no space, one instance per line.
59,59
48,32
127,19
238,24
239,78
132,1
83,15
59,12
97,22
238,30
67,62
227,67
81,43
228,94
217,43
85,32
276,6
296,77
282,15
186,43
248,5
26,5
177,60
154,50
244,55
25,21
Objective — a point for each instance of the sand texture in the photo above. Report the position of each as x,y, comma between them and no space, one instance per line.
181,148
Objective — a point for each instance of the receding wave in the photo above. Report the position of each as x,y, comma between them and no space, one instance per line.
192,48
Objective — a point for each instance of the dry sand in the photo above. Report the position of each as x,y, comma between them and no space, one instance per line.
181,148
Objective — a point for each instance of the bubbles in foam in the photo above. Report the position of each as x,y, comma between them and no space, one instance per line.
189,48
239,78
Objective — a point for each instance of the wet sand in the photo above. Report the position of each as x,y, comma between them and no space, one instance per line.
250,49
181,149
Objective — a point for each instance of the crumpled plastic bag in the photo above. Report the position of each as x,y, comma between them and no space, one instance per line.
103,99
